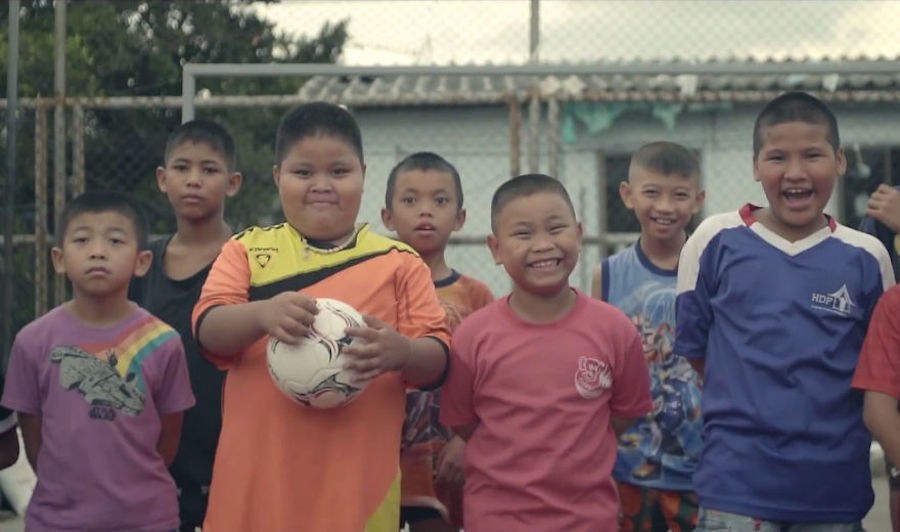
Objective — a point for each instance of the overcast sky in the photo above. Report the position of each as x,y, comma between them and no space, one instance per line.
496,31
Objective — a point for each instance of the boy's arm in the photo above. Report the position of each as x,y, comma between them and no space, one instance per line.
9,448
31,436
597,282
883,420
620,424
226,330
884,206
421,361
169,436
465,432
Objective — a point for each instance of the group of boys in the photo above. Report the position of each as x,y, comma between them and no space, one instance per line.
708,384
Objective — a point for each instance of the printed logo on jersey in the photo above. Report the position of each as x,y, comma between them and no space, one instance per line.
262,259
838,302
262,255
592,377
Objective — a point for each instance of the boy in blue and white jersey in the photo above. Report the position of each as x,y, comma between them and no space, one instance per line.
657,456
773,304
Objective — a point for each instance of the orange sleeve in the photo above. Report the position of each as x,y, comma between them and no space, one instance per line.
420,313
481,295
228,283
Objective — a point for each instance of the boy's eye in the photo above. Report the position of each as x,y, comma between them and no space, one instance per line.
302,172
80,239
650,193
442,201
557,229
407,201
340,171
116,241
179,167
211,170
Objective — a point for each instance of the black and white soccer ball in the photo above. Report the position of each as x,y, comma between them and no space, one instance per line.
311,372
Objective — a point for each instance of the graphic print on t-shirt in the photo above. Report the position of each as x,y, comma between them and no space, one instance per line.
108,376
592,377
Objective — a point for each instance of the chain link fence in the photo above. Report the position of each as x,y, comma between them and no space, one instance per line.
579,126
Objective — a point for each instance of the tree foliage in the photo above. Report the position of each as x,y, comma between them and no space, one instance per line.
131,48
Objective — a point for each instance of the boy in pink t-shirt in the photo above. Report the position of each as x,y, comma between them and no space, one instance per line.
542,382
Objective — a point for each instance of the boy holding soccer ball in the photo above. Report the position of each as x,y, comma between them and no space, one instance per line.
424,205
283,466
773,304
543,380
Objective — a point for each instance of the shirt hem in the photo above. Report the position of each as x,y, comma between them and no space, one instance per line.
813,515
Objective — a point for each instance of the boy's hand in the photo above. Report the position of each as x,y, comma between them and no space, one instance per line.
385,350
884,206
450,463
288,316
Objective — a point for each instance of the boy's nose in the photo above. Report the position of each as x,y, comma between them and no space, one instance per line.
194,178
794,168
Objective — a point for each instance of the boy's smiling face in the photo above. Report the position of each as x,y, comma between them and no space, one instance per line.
424,210
662,203
537,240
320,182
798,168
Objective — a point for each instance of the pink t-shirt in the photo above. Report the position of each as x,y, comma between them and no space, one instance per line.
878,368
542,456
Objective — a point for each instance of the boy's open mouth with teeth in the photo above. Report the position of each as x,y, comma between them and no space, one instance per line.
797,193
547,263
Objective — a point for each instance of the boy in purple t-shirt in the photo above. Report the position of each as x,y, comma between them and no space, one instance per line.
542,381
100,384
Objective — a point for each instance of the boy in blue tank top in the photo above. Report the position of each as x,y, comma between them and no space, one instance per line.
658,454
773,304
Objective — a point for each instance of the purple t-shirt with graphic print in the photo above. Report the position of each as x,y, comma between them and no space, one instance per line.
100,393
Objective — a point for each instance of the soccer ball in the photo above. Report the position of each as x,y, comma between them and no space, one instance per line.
311,372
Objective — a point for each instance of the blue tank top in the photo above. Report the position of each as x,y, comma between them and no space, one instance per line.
662,449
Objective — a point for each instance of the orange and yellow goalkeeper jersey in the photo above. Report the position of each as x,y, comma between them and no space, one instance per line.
285,467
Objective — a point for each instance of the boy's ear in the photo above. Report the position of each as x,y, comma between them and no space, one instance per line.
755,169
276,174
841,160
698,203
580,229
387,218
625,193
460,219
56,254
364,172
161,179
494,246
142,262
234,184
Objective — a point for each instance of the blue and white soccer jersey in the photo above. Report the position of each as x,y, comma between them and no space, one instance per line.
780,325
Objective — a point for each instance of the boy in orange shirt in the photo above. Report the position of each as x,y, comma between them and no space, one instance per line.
424,205
283,466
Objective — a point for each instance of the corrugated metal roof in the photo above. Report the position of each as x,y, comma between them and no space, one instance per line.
440,89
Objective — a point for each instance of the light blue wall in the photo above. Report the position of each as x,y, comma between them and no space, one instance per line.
476,140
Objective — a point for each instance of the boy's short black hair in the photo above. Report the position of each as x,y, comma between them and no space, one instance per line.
795,107
423,160
105,201
522,186
666,158
314,119
205,131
